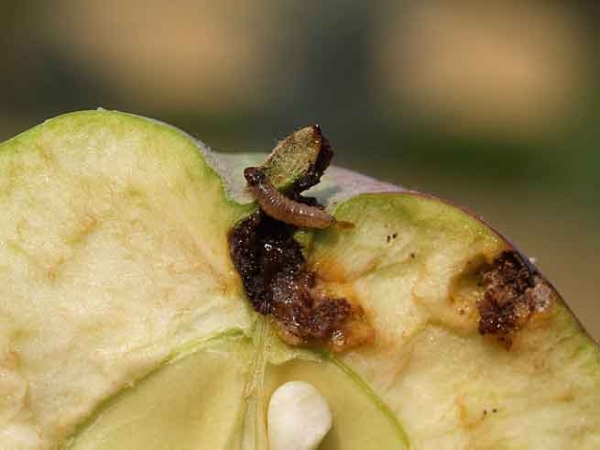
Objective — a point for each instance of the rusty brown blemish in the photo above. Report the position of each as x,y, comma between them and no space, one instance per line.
330,270
278,283
11,359
47,155
356,330
85,228
513,296
566,397
468,419
53,271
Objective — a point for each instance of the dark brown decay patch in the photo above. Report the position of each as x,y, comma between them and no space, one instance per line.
277,283
513,295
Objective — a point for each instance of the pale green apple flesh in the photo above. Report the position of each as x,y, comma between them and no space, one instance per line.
123,323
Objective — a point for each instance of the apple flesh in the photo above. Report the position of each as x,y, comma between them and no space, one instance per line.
124,324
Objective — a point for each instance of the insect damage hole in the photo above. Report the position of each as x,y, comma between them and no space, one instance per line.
514,295
278,284
273,268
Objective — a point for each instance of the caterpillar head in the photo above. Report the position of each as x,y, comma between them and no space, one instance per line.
254,176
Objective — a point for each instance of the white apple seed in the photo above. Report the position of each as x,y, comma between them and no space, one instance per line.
298,417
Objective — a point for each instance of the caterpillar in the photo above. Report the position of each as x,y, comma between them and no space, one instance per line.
284,209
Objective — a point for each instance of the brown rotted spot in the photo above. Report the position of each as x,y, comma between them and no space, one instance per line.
278,283
514,294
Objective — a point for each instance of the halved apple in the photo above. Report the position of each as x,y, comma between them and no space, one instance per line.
124,324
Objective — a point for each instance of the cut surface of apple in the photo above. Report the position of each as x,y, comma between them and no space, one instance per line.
124,323
194,401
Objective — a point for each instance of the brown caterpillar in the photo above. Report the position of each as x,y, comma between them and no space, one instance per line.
278,206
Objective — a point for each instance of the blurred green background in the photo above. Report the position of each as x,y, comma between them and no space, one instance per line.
493,105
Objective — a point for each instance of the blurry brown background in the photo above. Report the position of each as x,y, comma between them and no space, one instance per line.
494,105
